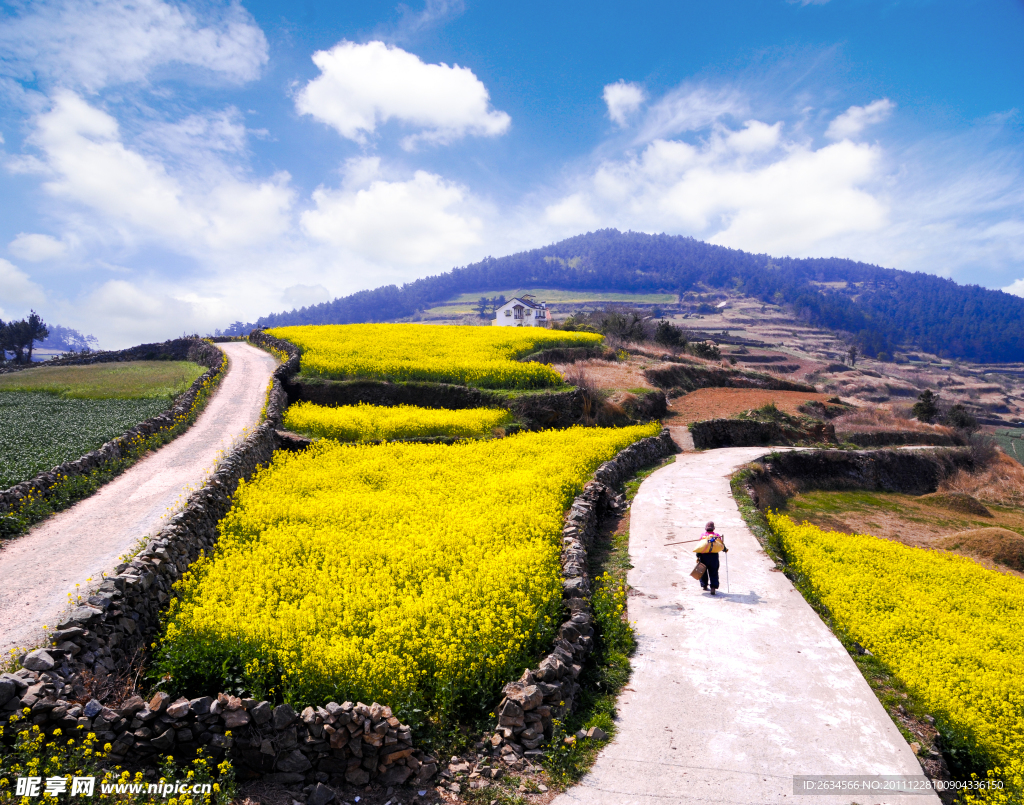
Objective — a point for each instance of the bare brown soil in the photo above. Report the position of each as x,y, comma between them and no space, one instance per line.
724,402
613,374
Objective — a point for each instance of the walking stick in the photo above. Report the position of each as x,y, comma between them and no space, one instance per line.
728,588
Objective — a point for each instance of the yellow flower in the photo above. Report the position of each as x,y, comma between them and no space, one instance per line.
947,628
409,574
472,356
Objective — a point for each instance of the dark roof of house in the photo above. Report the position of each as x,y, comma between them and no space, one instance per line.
526,302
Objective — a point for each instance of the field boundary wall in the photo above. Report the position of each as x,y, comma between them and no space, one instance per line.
688,376
778,476
42,485
714,433
104,635
526,713
535,410
902,437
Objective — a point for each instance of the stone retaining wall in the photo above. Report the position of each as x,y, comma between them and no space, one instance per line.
550,691
350,742
886,438
199,352
912,472
690,376
541,409
714,433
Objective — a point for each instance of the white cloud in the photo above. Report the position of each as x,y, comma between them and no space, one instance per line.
743,188
1016,288
690,108
19,293
305,295
857,118
92,44
419,221
623,99
86,163
35,247
361,86
413,23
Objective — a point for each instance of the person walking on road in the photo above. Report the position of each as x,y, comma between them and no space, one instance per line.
708,549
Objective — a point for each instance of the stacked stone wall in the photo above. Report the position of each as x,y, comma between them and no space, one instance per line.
551,690
101,639
199,352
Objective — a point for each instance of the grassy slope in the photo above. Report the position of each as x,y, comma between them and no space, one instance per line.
134,380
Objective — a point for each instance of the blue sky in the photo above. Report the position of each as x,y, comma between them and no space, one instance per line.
171,167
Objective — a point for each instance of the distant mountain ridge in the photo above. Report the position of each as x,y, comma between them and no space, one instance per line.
882,308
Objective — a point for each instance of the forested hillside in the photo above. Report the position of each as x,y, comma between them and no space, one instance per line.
881,308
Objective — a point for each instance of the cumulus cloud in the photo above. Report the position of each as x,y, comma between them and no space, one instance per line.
857,118
85,162
35,248
413,222
19,292
92,44
746,188
362,86
623,99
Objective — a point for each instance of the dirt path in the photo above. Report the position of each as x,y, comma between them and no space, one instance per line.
732,695
40,569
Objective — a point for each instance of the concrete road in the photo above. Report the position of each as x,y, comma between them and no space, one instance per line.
57,557
732,695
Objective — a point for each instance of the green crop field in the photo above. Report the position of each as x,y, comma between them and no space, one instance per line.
39,431
134,380
1012,442
53,414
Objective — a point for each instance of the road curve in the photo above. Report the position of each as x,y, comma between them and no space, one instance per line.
41,568
732,695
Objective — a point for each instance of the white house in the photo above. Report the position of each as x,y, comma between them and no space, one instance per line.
522,312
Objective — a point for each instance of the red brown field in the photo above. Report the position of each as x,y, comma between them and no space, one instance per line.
714,403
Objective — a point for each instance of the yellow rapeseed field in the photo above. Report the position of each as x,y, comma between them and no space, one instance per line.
470,356
950,630
371,423
420,576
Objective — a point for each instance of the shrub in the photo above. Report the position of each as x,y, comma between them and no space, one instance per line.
669,335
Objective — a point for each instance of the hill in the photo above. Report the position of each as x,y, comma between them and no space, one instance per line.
881,308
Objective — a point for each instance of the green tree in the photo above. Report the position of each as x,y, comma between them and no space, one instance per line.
35,330
960,418
668,334
481,306
927,406
851,353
